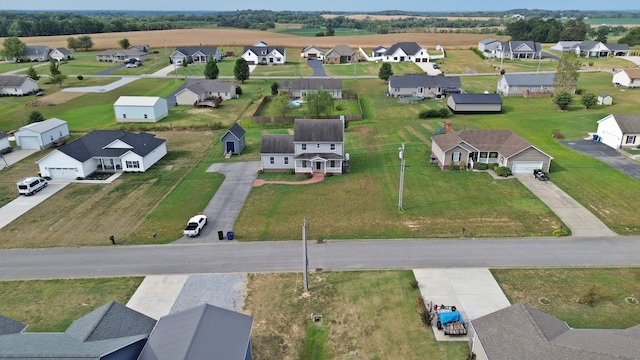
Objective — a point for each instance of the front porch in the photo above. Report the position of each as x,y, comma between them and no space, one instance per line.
318,165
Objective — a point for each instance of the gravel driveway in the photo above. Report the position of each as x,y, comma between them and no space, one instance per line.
607,155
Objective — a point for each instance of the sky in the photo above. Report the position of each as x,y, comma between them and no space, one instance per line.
321,5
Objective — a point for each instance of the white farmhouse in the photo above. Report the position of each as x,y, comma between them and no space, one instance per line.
140,109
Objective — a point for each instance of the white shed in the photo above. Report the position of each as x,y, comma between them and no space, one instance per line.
605,99
140,109
41,135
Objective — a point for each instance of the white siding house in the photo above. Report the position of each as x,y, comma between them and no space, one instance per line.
17,85
41,135
103,151
619,130
627,77
262,54
140,109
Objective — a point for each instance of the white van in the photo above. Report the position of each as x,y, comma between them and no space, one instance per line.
31,185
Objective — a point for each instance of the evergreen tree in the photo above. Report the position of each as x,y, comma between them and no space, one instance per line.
241,70
589,100
32,73
54,67
563,100
211,70
385,72
35,116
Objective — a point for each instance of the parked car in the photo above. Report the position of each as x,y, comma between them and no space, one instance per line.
195,224
130,65
31,185
540,175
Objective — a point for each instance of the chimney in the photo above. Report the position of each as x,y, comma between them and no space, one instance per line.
447,126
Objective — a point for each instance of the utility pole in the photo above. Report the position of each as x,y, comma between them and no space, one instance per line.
305,260
402,166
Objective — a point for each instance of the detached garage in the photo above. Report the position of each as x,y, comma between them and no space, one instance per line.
475,103
42,135
140,109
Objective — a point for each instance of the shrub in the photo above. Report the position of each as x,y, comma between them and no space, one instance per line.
502,72
239,90
462,166
494,166
414,285
579,91
426,317
434,113
502,171
560,232
339,107
80,77
481,166
420,302
590,297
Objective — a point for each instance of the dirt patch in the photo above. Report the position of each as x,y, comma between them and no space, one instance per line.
197,111
55,99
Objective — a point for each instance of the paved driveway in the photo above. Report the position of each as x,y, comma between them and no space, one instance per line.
316,65
20,205
607,155
103,88
225,206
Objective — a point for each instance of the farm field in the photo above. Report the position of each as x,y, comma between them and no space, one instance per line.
311,32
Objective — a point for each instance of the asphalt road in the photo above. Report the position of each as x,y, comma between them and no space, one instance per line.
286,256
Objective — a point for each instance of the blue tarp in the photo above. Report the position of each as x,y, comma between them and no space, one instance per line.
449,316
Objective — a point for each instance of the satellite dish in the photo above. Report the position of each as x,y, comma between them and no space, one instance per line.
438,47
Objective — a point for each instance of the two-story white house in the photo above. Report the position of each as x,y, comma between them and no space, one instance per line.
316,146
263,54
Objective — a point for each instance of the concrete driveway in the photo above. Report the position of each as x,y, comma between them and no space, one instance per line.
225,206
580,220
22,204
103,88
14,156
607,155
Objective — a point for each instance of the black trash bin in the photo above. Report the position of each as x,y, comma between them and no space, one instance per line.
220,235
230,235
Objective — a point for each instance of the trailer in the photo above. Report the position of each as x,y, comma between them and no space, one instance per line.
450,321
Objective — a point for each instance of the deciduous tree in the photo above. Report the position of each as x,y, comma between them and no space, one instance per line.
282,104
73,43
589,100
32,73
124,43
385,72
563,100
602,33
85,42
13,48
319,103
54,67
241,70
566,77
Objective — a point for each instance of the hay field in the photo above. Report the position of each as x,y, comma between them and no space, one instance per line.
396,17
240,37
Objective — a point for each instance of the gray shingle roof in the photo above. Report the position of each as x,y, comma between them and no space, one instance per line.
277,144
319,130
477,98
236,130
522,332
112,320
268,49
202,332
36,50
190,50
409,48
488,41
503,141
64,51
12,80
628,123
545,79
10,326
417,80
99,333
512,46
93,144
617,47
343,50
210,85
311,83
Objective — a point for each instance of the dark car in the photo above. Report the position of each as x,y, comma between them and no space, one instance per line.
540,175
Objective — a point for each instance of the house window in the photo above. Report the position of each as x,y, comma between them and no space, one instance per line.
304,146
124,116
286,160
332,163
483,155
132,164
304,163
145,116
456,156
272,160
493,155
333,146
631,139
317,146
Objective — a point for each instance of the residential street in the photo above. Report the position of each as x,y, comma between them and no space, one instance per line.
230,257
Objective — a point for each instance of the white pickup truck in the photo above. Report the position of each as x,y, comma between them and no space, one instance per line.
195,225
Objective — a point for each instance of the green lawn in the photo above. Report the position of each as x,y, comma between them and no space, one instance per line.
341,107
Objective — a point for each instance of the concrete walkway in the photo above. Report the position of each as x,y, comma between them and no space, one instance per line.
103,88
473,291
580,220
315,179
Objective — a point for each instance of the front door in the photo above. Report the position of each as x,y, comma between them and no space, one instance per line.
318,165
230,146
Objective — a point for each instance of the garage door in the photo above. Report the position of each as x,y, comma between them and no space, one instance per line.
525,167
62,173
29,142
610,139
